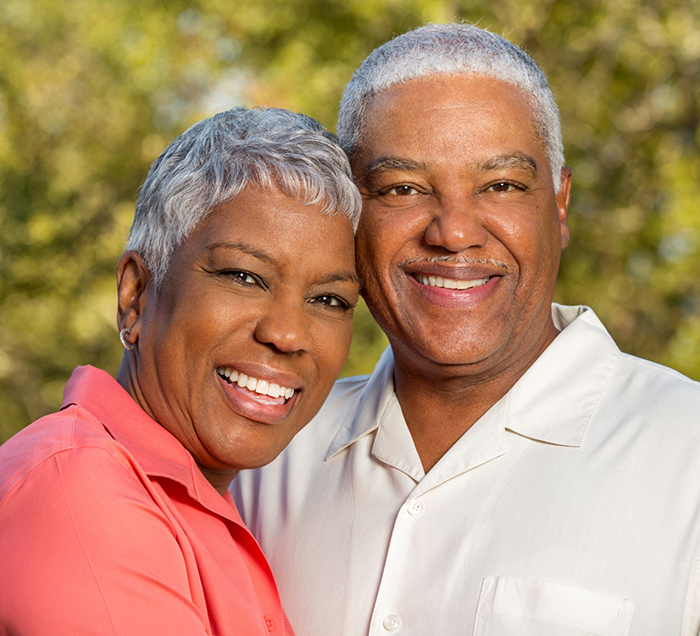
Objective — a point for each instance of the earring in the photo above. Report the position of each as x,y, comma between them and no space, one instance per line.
122,336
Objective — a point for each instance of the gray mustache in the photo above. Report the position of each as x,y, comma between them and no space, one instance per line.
461,260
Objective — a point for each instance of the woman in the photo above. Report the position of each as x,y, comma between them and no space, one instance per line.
235,300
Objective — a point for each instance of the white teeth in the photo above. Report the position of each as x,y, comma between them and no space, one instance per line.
263,387
450,283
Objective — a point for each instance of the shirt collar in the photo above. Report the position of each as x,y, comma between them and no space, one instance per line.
552,402
376,396
157,452
555,399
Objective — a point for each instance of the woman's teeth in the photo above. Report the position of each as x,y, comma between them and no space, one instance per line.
450,283
263,387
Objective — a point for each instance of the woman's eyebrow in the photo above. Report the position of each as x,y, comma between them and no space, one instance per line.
240,246
342,277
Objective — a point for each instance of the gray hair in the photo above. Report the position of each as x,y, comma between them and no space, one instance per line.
214,160
451,49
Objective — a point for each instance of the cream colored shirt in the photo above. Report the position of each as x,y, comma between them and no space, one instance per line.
571,508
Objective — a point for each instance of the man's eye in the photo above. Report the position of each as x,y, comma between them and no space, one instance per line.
503,186
400,190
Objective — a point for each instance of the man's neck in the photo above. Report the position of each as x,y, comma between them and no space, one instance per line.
439,408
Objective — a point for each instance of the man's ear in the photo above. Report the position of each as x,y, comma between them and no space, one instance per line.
133,291
563,199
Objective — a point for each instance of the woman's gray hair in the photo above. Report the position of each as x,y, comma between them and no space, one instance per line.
214,160
451,49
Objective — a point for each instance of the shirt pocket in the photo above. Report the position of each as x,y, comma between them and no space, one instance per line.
528,607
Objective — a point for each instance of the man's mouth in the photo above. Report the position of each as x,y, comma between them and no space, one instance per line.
262,387
450,283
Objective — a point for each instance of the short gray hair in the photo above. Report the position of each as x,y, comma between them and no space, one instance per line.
451,49
214,160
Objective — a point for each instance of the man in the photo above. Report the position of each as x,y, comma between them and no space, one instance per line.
506,469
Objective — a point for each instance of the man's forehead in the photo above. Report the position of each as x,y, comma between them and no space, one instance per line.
458,97
412,125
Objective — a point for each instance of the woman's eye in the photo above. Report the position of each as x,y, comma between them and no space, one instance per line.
241,277
328,300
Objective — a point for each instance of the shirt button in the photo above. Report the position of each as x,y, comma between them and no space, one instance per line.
270,623
415,507
391,623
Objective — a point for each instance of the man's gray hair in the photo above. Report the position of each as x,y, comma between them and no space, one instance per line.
451,49
214,160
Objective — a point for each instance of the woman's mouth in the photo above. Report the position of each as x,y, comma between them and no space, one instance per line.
262,388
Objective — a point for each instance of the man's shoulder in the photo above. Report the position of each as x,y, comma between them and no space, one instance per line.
590,349
642,381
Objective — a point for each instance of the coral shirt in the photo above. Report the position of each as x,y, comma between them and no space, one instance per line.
107,526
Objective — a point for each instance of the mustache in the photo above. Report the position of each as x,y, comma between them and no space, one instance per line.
457,260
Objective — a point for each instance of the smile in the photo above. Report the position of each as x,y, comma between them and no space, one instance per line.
450,283
263,387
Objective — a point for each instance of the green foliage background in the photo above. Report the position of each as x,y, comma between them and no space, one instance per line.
92,90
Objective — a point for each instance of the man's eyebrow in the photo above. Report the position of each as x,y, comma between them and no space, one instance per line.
517,160
387,164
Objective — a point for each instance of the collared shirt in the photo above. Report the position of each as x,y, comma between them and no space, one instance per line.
107,526
571,507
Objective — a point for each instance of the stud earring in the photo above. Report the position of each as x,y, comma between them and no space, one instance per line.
122,336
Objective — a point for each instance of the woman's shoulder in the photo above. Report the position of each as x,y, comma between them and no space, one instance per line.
70,440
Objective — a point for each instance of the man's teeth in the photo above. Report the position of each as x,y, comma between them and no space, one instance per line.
450,283
253,384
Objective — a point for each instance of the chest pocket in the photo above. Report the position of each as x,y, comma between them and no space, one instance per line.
524,607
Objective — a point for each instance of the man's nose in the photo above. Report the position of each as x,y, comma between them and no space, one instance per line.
456,225
286,327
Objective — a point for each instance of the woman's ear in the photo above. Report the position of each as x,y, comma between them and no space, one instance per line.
133,290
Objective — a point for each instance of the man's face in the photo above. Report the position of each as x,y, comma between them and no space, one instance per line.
461,232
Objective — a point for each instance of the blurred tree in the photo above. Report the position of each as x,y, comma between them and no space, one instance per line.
91,91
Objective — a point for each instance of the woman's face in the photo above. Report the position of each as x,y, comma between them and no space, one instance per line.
252,324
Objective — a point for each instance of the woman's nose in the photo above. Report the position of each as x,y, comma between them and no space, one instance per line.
286,327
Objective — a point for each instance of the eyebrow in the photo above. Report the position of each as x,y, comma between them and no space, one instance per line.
387,164
517,160
342,277
240,246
